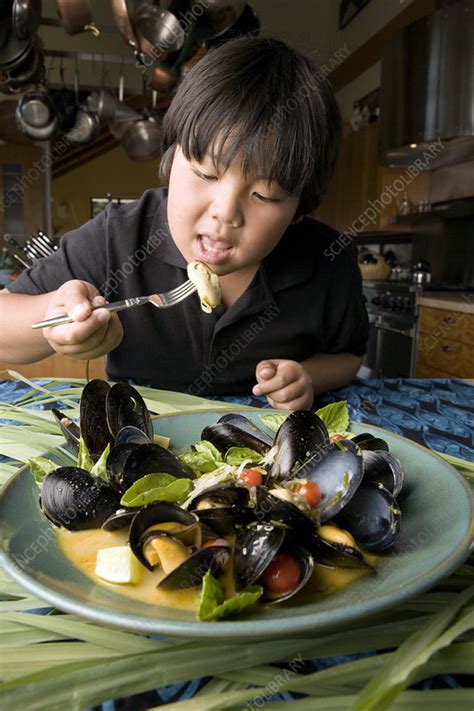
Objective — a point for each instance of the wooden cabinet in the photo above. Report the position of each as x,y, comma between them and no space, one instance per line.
363,195
56,366
445,344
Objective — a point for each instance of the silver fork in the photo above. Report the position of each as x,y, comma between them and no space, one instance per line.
161,301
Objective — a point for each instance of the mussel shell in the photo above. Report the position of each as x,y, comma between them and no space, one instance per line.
367,441
131,435
306,563
116,462
297,441
144,459
372,517
158,512
125,406
338,473
335,555
384,468
191,572
93,421
243,423
73,499
224,435
120,519
228,495
71,431
271,508
255,547
225,521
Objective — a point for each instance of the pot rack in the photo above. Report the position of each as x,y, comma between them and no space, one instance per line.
90,56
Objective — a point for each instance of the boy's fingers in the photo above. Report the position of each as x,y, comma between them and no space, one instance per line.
77,296
265,370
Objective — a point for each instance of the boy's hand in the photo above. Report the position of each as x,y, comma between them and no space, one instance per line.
287,385
93,334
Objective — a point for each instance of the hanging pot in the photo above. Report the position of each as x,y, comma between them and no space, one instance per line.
29,71
159,27
218,17
247,23
76,16
26,17
86,128
142,141
122,11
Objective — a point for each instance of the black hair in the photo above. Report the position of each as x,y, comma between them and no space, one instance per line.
257,98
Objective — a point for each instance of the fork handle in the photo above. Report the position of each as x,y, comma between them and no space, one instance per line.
114,306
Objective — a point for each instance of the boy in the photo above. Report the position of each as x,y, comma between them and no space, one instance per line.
250,142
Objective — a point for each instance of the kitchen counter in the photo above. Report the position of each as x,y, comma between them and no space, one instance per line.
454,301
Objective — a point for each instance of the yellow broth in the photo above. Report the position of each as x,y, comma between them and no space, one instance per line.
81,547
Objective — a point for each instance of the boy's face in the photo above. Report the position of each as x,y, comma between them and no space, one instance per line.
229,221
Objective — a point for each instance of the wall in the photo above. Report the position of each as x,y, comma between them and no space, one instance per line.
113,172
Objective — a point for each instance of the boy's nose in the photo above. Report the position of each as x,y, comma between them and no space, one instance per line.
227,209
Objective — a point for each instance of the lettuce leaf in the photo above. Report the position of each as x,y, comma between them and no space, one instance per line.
213,606
335,416
156,487
203,458
99,469
84,460
41,467
236,455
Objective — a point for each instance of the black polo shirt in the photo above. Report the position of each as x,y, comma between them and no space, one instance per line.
306,298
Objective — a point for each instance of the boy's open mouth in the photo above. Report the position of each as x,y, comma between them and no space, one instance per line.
212,251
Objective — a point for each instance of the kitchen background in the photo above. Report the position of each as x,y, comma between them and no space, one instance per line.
78,127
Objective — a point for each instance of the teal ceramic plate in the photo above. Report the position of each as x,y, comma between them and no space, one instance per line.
436,532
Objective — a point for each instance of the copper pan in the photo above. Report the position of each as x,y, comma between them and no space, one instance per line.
76,16
123,11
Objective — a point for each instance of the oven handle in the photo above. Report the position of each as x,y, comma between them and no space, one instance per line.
381,327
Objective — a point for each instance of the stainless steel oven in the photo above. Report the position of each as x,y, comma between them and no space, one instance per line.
391,346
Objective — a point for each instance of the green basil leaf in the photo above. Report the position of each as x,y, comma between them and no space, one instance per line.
41,467
236,455
214,607
147,482
84,460
203,458
274,421
335,416
99,469
208,448
175,491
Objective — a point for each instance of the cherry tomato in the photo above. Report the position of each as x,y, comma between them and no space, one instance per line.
251,477
336,437
311,492
282,575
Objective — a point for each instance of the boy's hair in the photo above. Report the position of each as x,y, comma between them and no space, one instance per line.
257,98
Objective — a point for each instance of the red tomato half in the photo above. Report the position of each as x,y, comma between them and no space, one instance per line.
251,477
311,492
336,437
282,575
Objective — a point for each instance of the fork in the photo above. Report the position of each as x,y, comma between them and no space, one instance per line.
161,301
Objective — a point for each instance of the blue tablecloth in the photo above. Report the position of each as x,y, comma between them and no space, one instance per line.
438,414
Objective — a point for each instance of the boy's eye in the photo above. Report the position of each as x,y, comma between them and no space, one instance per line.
263,198
204,176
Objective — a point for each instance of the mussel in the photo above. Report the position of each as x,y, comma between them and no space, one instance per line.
223,508
73,499
333,547
127,463
126,407
372,516
385,468
298,441
367,441
71,431
165,536
225,435
93,420
259,547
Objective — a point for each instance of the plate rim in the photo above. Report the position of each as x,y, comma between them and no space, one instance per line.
254,628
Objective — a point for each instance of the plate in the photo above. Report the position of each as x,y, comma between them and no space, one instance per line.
436,532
